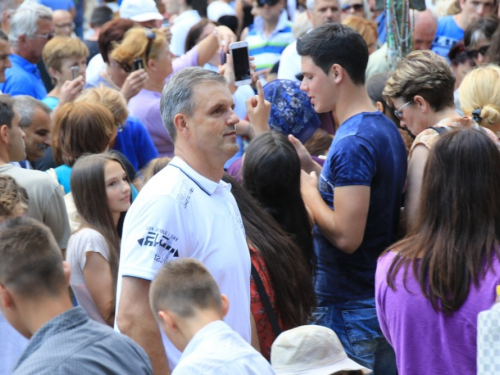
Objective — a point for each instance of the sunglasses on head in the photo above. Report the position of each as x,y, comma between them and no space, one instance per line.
474,53
355,7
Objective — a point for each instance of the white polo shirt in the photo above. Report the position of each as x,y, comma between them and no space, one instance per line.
180,213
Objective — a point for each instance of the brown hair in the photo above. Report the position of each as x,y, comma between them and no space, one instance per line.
31,263
60,48
88,188
366,28
182,286
153,167
422,73
81,128
12,197
112,32
319,143
455,236
109,98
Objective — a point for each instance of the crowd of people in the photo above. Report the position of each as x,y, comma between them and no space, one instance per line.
335,216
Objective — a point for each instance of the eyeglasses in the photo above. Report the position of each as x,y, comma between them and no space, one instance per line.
151,36
398,112
356,7
48,36
120,128
474,53
66,26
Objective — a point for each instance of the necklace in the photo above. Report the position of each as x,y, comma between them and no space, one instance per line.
109,80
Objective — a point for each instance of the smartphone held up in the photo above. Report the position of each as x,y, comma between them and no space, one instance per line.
241,63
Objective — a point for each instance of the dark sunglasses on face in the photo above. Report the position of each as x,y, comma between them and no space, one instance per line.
474,53
355,7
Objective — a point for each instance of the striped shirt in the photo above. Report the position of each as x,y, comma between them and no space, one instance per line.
267,49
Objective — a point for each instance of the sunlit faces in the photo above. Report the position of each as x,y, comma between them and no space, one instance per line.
317,85
37,135
16,148
477,52
116,73
4,58
117,188
63,23
64,74
163,64
36,42
325,11
212,125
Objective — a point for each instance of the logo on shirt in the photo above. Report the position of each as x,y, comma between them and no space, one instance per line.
163,241
184,195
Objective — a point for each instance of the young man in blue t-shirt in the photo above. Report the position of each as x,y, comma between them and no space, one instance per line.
356,203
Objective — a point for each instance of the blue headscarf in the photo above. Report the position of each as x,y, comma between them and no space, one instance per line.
291,109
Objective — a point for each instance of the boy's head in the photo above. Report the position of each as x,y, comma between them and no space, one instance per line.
31,268
184,294
335,54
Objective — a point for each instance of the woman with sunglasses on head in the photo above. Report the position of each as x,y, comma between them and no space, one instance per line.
150,48
421,90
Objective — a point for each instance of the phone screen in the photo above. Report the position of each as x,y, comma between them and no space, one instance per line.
241,63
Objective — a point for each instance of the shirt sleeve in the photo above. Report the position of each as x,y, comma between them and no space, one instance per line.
55,217
354,162
153,235
190,58
93,241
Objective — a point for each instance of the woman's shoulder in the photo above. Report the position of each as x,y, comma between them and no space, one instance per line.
88,238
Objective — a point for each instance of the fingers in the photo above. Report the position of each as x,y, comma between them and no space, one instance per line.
260,92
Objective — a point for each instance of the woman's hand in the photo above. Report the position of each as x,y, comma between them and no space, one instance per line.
225,37
134,83
70,90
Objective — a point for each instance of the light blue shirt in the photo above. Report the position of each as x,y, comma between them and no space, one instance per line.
217,349
23,78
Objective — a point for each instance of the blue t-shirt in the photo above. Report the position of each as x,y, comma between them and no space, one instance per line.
51,101
23,78
447,33
58,4
135,143
367,150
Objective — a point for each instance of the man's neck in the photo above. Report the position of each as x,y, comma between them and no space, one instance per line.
461,21
153,84
270,26
25,56
207,167
36,312
351,102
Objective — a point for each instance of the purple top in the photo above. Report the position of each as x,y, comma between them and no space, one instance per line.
146,106
427,342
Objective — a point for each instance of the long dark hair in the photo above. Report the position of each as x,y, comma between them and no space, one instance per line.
89,193
287,268
455,237
271,174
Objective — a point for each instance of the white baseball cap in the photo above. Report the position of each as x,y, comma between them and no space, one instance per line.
310,350
218,9
140,10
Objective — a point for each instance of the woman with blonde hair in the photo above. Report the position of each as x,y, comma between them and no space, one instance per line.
480,96
132,139
80,128
64,58
152,48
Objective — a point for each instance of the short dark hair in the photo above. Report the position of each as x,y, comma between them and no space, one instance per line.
334,43
31,260
182,286
3,36
113,32
6,110
101,15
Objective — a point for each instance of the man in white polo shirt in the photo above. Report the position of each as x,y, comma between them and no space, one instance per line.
186,211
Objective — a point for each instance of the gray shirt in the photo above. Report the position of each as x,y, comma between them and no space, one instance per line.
71,343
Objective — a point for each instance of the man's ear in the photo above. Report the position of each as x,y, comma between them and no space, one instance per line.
225,304
4,134
309,15
180,123
337,73
6,299
168,320
380,106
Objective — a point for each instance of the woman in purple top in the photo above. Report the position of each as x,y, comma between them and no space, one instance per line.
431,286
152,48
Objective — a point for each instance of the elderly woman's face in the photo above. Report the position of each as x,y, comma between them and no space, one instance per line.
79,65
116,72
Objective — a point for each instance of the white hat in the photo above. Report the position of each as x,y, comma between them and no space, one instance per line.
140,10
217,9
310,350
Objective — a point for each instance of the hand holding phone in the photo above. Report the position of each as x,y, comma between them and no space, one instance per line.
241,63
75,72
138,64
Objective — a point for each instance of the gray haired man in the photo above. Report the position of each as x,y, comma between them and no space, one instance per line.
31,27
186,211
